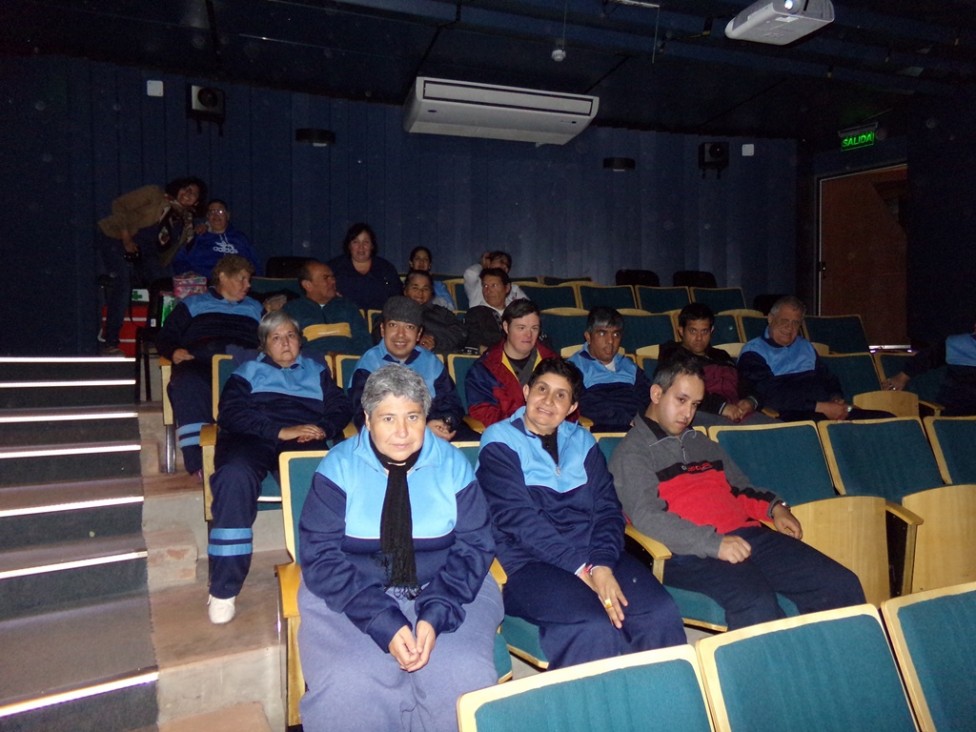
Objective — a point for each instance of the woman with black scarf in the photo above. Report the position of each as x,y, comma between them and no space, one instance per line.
398,613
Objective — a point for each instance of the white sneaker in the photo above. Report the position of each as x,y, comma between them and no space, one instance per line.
221,610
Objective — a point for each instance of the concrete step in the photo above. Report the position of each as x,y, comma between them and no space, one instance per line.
57,382
81,461
205,668
50,426
173,555
87,668
248,717
70,574
37,514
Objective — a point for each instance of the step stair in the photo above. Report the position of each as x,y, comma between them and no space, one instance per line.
75,620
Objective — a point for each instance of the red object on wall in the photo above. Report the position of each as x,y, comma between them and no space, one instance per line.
135,317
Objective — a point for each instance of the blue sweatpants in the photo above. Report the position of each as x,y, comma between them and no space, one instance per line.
242,462
355,686
778,564
573,624
190,394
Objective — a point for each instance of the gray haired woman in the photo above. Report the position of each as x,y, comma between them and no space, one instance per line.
395,549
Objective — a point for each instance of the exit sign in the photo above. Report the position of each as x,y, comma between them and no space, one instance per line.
854,140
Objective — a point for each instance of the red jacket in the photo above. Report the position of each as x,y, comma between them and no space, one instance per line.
493,390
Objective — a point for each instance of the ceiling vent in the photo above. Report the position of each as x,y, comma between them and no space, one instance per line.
780,21
444,107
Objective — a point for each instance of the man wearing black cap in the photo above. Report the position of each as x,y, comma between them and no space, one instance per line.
402,327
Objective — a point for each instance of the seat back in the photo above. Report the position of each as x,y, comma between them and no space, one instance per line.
752,326
458,365
694,278
297,470
345,365
830,670
927,385
637,277
647,358
879,457
661,299
261,286
652,690
459,295
564,326
644,329
733,349
726,330
284,266
550,296
856,372
470,449
842,333
932,635
719,298
953,441
611,296
608,442
786,458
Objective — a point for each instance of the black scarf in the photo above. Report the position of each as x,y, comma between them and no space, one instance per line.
396,523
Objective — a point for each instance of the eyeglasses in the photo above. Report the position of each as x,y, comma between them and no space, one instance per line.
216,211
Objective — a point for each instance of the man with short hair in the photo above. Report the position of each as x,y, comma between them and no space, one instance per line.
785,372
728,399
473,287
402,327
680,488
322,304
484,322
614,388
443,332
495,381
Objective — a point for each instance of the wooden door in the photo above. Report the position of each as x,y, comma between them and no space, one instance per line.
862,250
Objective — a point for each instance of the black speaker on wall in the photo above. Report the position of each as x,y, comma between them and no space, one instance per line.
713,156
205,104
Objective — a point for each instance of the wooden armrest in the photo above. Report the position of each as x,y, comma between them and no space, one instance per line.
658,551
163,361
350,430
498,573
208,435
770,412
289,577
475,424
903,514
586,422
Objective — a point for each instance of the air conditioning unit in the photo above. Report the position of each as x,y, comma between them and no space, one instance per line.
780,21
466,109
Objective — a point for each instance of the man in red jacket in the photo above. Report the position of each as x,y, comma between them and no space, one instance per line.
494,383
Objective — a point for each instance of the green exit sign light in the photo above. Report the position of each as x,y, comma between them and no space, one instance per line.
855,140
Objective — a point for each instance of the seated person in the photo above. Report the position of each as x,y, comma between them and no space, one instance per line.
681,488
398,612
958,391
362,276
495,382
201,254
484,322
402,327
559,532
421,260
728,399
443,331
322,305
282,401
489,260
784,371
614,389
201,326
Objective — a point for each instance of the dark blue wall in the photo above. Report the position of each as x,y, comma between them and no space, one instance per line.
942,237
75,134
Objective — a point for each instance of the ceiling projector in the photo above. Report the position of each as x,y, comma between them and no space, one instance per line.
780,21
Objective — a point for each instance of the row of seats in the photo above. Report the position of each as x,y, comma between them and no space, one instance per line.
297,470
835,670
